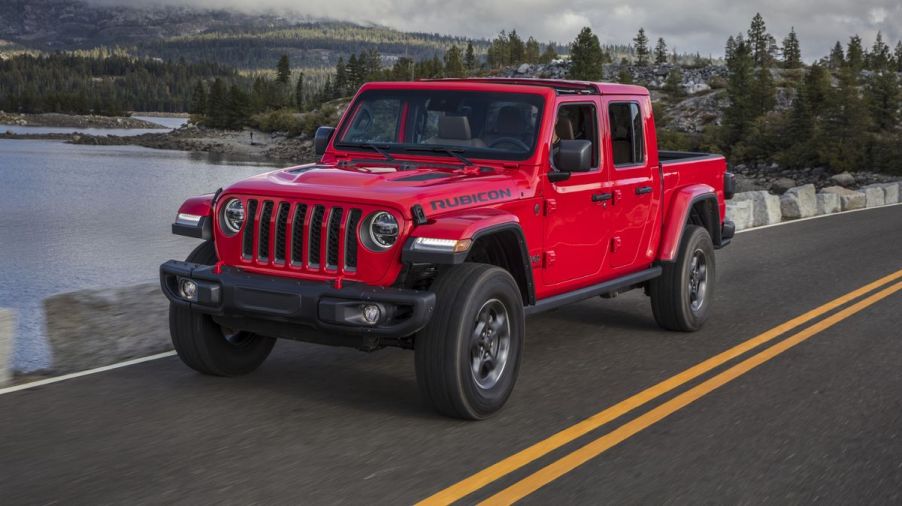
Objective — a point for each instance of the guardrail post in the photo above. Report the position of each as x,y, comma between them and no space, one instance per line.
7,328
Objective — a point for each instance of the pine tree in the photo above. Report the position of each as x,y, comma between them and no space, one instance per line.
517,48
532,50
898,55
673,85
641,46
341,77
549,55
283,70
299,92
843,136
198,100
730,48
759,40
216,105
799,129
403,69
855,54
586,57
624,76
470,57
237,108
880,57
837,57
660,52
818,85
792,51
739,113
882,96
454,65
763,92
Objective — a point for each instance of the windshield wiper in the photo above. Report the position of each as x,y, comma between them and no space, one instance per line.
455,152
378,149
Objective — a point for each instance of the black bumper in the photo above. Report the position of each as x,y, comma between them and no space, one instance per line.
726,233
290,308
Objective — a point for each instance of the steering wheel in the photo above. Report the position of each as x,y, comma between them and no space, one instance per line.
509,140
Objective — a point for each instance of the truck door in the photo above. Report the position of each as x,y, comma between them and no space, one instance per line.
576,228
635,180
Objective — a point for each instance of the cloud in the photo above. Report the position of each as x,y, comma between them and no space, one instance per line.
699,25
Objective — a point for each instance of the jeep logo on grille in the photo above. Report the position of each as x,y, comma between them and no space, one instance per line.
473,198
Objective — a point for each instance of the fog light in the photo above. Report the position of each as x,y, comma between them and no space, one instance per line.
188,289
371,313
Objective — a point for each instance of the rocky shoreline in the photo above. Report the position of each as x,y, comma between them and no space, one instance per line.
74,121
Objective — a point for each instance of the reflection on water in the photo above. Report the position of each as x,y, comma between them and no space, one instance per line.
75,217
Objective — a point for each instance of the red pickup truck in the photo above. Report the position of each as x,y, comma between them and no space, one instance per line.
440,215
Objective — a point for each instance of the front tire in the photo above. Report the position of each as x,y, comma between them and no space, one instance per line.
681,297
204,345
468,357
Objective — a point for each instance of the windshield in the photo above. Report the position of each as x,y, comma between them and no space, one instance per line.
474,124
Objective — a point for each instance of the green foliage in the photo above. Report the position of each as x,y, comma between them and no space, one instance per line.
673,85
110,85
641,45
879,58
882,96
586,57
299,92
198,99
283,70
842,134
660,52
624,76
740,113
549,55
454,65
532,51
792,51
470,57
837,58
855,54
759,40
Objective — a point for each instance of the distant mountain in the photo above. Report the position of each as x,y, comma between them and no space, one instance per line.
242,40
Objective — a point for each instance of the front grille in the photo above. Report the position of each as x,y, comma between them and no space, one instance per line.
300,236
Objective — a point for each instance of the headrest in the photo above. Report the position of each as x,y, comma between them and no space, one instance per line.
564,129
454,127
510,121
621,133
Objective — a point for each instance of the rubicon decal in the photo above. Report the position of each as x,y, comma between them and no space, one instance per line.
473,198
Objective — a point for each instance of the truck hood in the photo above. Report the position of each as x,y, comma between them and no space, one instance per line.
436,190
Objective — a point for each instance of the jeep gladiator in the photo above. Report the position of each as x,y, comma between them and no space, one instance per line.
439,215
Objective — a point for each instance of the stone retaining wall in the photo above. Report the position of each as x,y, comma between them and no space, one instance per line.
7,327
759,208
92,328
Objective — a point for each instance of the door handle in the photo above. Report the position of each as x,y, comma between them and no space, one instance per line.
602,197
642,190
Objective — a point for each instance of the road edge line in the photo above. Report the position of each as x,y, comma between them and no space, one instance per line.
64,377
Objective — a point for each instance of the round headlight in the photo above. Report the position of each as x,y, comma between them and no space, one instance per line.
381,230
232,216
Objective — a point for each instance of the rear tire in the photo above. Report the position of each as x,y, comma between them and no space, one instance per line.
681,297
204,345
468,357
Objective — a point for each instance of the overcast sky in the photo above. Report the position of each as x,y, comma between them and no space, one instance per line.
698,25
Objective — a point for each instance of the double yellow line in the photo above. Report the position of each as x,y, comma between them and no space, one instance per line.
594,448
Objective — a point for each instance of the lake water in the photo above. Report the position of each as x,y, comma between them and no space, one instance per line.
74,217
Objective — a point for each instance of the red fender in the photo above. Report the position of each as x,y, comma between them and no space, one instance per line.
678,215
198,206
464,224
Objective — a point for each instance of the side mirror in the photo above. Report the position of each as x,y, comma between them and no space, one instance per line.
321,139
574,156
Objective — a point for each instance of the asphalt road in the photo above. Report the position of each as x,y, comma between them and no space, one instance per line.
820,420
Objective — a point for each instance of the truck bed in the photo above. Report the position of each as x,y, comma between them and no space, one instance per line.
684,156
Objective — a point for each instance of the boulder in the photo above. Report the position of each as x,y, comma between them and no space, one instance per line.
799,202
843,179
765,207
7,327
828,203
891,192
740,213
92,328
782,185
874,196
848,199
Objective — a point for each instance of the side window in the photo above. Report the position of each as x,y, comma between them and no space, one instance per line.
577,122
627,137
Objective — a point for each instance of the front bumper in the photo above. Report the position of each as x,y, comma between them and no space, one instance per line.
296,309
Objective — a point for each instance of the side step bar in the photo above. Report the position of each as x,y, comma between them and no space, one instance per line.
591,291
